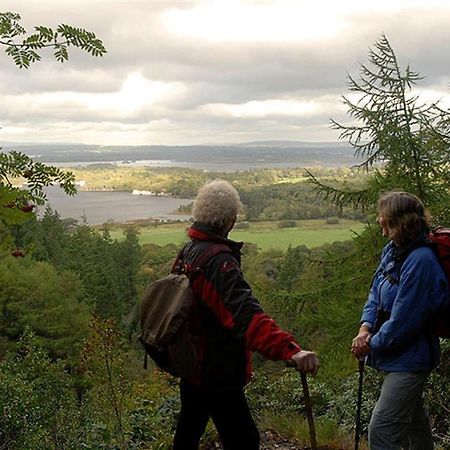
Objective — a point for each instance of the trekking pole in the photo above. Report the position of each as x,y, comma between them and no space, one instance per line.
361,364
309,412
308,406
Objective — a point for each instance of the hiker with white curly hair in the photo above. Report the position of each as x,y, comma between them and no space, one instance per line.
231,324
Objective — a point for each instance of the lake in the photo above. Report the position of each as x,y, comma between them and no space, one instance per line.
101,207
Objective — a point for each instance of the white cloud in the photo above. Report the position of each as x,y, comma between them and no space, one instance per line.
428,96
264,108
232,20
277,21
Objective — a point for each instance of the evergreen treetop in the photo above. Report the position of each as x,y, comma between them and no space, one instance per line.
404,139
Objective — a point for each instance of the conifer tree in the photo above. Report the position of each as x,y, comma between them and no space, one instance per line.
403,140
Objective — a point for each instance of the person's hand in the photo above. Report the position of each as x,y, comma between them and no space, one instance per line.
305,361
361,343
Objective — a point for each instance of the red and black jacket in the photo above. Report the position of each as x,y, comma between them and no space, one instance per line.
231,321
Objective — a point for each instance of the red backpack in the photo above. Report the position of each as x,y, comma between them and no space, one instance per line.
440,241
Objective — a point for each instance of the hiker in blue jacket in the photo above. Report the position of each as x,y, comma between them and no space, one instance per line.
408,288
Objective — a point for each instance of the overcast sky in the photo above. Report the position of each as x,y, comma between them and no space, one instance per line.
199,72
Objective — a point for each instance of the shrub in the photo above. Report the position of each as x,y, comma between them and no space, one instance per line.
436,396
38,401
332,220
242,226
287,224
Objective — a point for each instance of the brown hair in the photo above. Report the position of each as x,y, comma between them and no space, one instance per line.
405,216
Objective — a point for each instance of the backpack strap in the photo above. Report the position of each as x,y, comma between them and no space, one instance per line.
176,266
209,253
400,259
201,260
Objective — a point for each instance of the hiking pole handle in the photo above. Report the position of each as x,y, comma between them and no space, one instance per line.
309,411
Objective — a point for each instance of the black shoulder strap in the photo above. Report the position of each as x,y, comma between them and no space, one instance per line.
202,259
210,252
178,261
400,259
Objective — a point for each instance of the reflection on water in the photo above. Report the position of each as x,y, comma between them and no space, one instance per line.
100,207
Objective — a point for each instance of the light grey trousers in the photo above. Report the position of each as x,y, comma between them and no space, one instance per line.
399,420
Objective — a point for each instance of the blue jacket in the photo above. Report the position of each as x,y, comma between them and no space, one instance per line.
410,294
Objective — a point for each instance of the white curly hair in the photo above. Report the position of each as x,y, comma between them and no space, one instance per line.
217,205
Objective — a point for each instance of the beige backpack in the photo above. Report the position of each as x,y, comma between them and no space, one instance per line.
167,333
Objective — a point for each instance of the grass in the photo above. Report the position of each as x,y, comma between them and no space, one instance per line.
265,235
296,427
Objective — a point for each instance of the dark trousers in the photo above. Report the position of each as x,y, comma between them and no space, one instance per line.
228,410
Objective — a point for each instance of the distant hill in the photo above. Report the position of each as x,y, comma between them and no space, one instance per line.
302,153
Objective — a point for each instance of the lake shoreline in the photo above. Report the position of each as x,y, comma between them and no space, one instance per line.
114,206
131,191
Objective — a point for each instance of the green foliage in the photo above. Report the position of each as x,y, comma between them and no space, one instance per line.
90,254
153,411
279,405
15,164
318,294
100,406
261,268
283,393
103,361
45,238
286,202
267,194
107,269
287,224
332,220
437,394
343,399
128,257
292,267
17,204
33,294
242,226
321,304
38,404
157,261
26,52
409,140
119,411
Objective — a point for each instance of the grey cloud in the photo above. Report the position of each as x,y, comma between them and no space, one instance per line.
54,79
212,72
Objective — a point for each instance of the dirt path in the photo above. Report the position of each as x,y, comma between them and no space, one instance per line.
272,441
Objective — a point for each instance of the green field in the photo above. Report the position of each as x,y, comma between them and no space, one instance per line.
265,235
